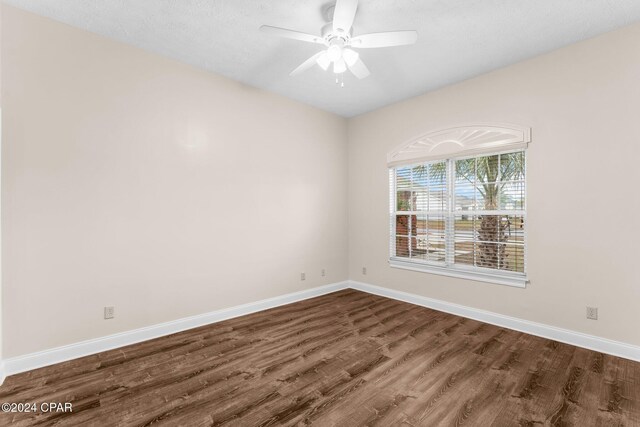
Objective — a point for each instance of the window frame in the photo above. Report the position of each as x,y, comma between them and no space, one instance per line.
449,267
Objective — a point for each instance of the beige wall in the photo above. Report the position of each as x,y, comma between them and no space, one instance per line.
135,181
582,103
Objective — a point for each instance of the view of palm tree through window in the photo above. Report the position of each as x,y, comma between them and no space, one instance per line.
465,212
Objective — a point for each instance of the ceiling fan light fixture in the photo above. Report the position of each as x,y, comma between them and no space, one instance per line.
350,56
334,53
339,66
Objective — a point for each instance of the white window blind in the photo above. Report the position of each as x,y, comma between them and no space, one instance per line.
461,216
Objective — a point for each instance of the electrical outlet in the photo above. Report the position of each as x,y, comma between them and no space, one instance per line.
592,313
303,276
323,272
364,271
109,312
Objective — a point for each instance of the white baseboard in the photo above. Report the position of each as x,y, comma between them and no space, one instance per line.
578,339
32,361
52,356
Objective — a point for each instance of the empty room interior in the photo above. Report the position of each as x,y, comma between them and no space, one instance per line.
329,213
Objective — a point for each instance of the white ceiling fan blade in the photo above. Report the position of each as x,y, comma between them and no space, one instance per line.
392,38
290,34
359,69
344,14
355,64
323,60
306,64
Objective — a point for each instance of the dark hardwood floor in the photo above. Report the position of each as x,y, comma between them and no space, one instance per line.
344,359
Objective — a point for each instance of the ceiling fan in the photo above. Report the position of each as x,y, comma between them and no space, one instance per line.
339,40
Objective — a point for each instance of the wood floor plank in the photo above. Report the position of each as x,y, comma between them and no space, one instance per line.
342,359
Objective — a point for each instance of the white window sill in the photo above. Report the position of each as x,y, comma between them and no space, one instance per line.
518,281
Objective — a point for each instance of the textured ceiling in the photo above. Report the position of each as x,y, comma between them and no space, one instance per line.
457,39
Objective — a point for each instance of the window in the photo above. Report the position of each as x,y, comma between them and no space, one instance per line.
462,216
